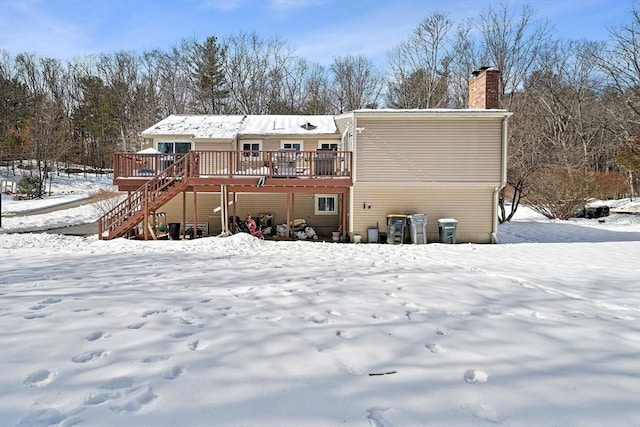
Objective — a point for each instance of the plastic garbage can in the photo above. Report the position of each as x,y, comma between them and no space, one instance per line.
417,228
372,235
447,228
174,230
397,225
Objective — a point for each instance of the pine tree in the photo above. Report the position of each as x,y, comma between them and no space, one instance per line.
211,87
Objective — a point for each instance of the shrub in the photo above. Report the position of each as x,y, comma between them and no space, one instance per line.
103,201
30,187
610,185
558,192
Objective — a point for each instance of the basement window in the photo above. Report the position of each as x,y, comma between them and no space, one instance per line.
326,204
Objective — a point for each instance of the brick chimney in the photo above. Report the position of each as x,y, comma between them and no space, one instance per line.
483,89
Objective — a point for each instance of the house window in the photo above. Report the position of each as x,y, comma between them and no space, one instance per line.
326,204
248,147
174,147
292,146
328,146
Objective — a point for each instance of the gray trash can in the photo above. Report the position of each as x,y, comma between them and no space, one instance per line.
447,228
418,228
397,224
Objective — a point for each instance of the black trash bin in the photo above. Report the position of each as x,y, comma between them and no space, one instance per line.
174,230
447,228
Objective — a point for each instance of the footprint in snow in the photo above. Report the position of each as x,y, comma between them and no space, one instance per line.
100,397
345,334
150,313
269,318
135,401
156,359
389,417
181,334
95,335
196,345
89,356
113,389
42,417
174,372
475,377
32,316
435,348
136,325
40,378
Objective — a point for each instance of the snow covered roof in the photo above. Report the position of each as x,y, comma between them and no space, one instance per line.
288,125
197,126
226,127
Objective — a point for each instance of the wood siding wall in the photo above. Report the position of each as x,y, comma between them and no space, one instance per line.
429,150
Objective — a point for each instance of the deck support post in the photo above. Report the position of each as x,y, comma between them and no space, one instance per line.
223,210
343,219
184,212
195,213
288,225
145,219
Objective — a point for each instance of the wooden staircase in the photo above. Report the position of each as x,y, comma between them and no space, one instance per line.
137,207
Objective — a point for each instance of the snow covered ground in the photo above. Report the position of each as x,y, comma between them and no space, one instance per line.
541,330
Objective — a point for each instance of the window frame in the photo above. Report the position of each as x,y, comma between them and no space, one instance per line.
251,152
173,145
328,145
318,198
292,143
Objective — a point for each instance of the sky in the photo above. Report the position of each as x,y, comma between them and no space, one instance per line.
542,329
318,30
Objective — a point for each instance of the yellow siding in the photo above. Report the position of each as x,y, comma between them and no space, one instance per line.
429,150
472,207
213,145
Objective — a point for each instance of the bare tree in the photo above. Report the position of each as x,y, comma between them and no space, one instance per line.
356,83
512,42
620,61
420,66
317,91
465,56
255,70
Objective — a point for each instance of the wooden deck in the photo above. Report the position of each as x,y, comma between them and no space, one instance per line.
268,171
153,179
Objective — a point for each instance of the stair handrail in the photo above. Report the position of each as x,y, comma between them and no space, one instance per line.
147,194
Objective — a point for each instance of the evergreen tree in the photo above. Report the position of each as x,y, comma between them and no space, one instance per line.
211,88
